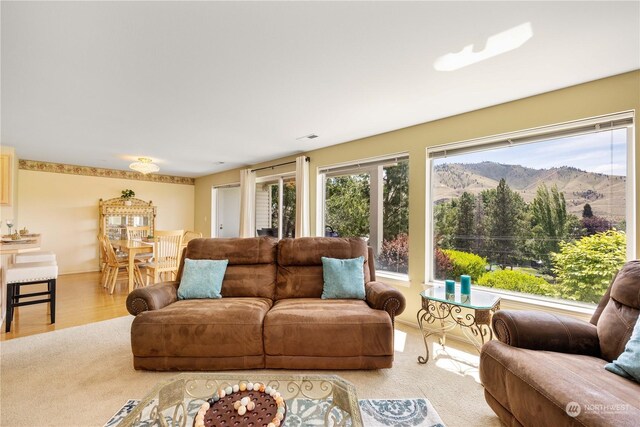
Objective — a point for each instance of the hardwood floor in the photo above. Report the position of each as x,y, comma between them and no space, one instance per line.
81,299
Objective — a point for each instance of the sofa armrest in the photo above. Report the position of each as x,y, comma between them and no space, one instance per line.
538,330
384,297
152,297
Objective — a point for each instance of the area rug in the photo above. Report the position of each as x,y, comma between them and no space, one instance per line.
375,413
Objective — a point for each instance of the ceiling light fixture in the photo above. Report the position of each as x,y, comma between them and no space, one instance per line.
144,165
310,136
496,45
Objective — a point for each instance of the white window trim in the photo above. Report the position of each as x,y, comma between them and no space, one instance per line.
531,135
391,278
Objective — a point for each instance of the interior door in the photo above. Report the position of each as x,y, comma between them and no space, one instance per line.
228,212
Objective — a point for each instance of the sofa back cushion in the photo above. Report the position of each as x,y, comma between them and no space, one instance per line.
300,263
620,313
251,271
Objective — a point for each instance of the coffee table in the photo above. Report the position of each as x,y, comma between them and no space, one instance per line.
446,312
311,399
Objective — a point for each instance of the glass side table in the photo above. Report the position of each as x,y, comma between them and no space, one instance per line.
445,310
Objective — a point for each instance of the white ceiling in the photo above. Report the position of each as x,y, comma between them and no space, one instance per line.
194,84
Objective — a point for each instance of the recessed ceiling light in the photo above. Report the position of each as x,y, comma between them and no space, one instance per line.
310,136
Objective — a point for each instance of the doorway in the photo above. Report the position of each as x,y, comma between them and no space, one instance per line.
226,205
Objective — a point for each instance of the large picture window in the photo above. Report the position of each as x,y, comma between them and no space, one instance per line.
370,200
544,213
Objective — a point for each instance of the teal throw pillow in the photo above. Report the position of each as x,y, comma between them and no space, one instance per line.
628,363
202,278
343,278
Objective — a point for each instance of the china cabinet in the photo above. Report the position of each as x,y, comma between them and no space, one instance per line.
115,216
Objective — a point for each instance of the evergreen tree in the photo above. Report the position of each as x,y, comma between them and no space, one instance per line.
445,218
465,221
505,213
479,243
586,211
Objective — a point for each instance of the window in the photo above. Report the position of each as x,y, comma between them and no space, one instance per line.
370,200
276,207
547,212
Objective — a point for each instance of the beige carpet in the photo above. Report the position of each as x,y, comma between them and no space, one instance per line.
81,376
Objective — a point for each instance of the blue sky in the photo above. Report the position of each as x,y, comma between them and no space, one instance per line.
602,152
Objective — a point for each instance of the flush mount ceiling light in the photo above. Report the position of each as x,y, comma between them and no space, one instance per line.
144,165
496,45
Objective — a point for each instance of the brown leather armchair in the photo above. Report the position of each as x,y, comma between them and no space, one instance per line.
548,370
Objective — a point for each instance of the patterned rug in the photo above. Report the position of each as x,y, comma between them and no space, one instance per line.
375,413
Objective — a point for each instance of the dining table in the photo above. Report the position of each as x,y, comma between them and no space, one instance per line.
132,248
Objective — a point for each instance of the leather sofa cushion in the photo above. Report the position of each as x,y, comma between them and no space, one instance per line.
536,386
251,271
257,250
620,313
300,263
201,328
327,328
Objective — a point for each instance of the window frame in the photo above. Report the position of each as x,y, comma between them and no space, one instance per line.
352,167
625,119
280,179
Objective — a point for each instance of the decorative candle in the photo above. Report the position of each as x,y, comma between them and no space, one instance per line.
449,286
465,284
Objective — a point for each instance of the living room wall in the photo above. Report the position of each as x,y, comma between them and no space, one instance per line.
604,96
64,209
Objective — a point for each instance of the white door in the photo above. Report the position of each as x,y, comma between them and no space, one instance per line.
228,212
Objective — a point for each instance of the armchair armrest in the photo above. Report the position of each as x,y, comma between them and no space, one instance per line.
384,297
152,297
538,330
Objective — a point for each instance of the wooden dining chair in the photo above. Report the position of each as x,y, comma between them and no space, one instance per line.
103,260
114,264
137,233
187,237
166,254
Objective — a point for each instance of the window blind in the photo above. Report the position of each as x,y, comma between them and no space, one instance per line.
596,124
362,166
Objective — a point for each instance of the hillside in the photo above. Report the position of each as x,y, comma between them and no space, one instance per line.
605,193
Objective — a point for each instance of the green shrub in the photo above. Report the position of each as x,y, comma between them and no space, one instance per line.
465,263
518,281
584,268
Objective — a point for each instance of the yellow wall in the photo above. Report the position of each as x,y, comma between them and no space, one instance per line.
609,95
64,209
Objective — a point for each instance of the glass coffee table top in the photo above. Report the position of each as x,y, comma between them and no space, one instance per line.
476,300
325,400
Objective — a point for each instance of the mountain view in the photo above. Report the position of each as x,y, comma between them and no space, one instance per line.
605,193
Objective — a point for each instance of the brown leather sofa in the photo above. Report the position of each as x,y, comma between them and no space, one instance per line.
548,370
270,314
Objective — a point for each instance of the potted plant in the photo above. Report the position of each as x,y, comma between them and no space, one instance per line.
126,196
